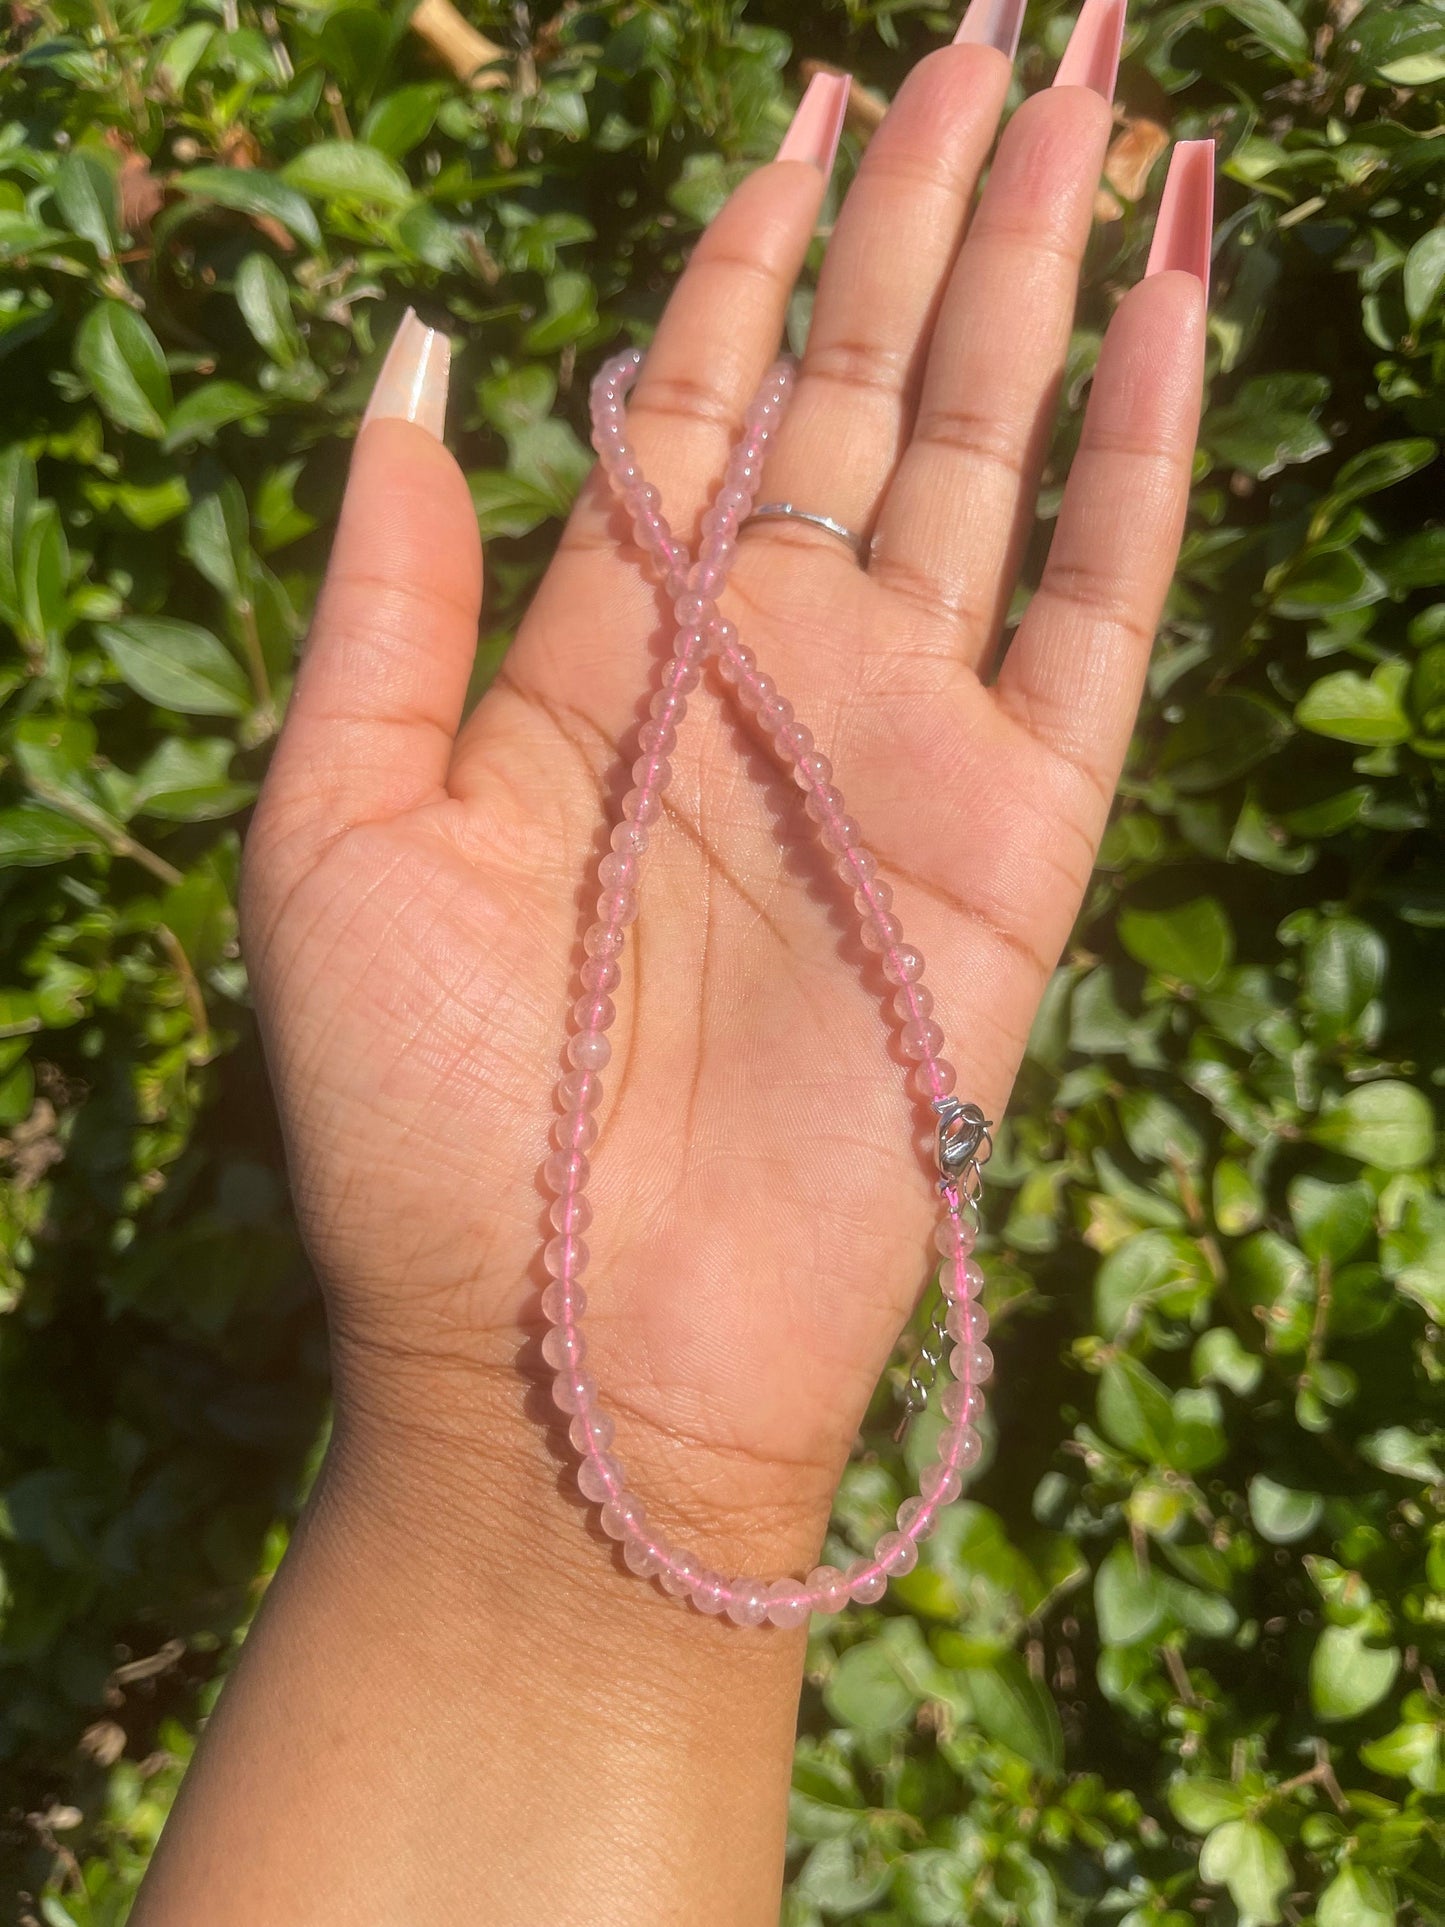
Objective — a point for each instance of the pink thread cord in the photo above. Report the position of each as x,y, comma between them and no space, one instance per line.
692,588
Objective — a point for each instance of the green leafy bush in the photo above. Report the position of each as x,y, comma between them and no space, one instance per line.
1180,1650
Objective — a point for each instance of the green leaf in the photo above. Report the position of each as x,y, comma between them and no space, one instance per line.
209,408
571,313
1135,1411
1155,1269
348,171
1380,467
264,298
403,119
187,780
1202,1804
1219,738
1347,1674
85,194
1128,1598
1016,1710
31,835
250,191
1416,562
1354,709
1324,582
1333,1220
866,1692
1280,1514
1399,1450
1218,1355
123,366
1357,1897
1414,1751
17,499
1248,1859
1389,1124
218,539
1272,23
177,665
1192,944
1344,972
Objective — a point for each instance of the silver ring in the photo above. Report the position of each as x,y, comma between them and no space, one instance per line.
783,511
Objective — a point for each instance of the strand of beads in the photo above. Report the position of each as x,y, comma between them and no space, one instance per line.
693,588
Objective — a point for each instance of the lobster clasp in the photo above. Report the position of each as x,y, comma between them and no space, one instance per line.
964,1137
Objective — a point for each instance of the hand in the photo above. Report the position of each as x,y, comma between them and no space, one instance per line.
415,890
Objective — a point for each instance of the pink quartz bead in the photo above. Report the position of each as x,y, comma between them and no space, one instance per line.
652,772
866,1582
566,1171
840,834
601,973
966,1322
694,611
881,933
601,940
973,1362
575,1131
565,1256
618,872
902,964
774,713
589,1050
668,706
623,1516
735,663
961,1448
564,1303
680,1574
653,739
960,1402
896,1553
564,1345
594,1011
921,1040
644,1553
873,898
629,839
617,908
823,802
812,769
599,1476
960,1278
917,1518
788,1603
935,1077
940,1483
641,806
828,1588
747,1602
957,1233
795,740
913,1002
573,1391
580,1091
710,1593
591,1431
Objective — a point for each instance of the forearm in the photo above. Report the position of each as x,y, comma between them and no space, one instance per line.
456,1705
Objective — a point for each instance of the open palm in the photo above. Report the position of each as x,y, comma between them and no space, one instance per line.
415,897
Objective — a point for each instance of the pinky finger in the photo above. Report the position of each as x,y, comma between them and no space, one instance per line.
1074,673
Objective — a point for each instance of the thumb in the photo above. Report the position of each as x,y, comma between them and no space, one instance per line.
369,731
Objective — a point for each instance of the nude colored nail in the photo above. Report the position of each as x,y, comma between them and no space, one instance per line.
1184,231
817,127
1091,58
412,384
992,23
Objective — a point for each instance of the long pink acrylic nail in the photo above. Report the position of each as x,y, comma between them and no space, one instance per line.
1091,58
992,23
1184,231
412,385
817,126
